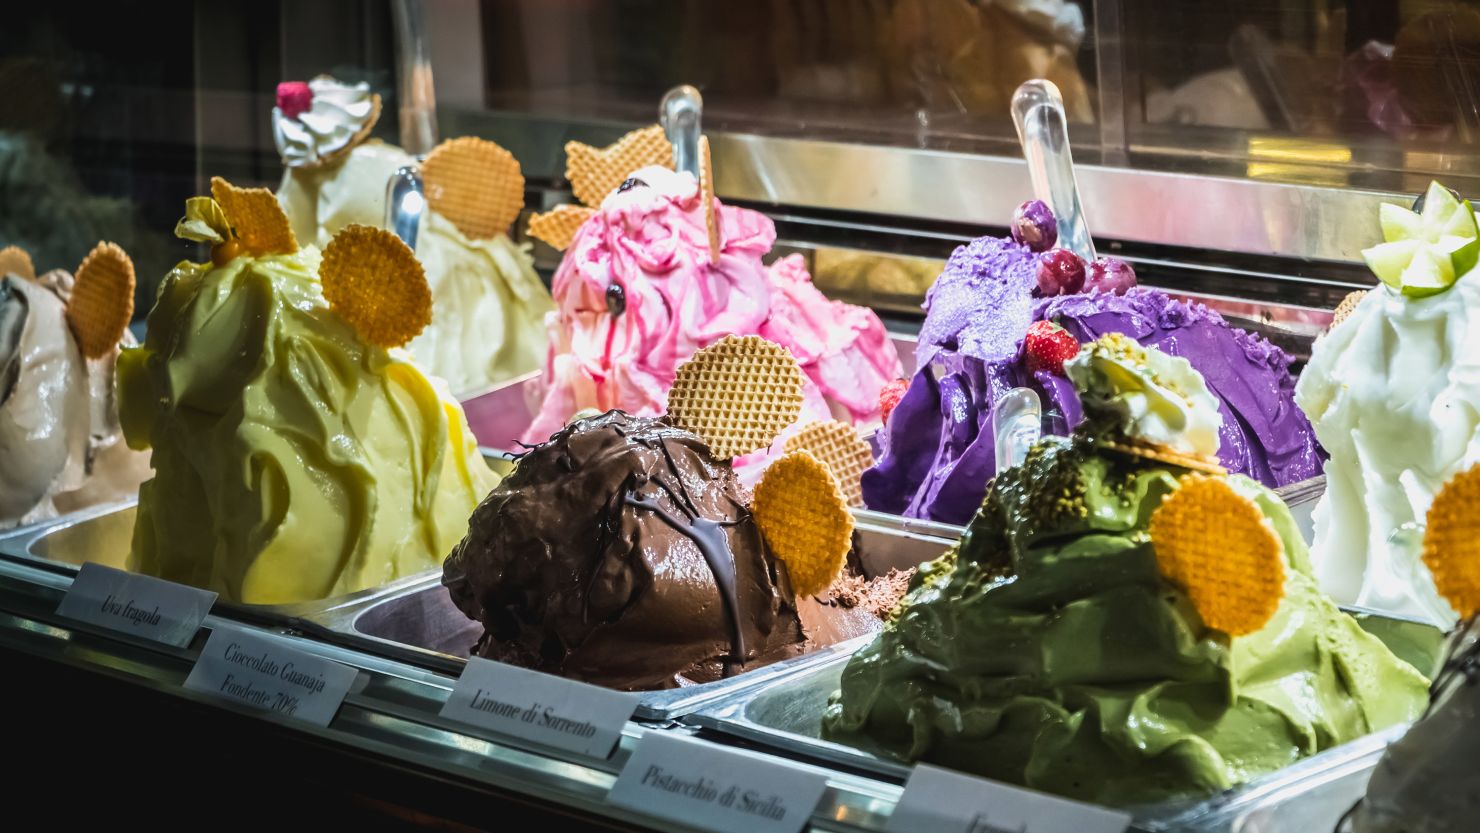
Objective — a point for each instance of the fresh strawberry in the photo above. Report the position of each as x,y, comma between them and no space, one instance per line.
294,98
890,394
1048,346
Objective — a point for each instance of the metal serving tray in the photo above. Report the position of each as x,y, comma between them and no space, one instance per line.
786,716
420,625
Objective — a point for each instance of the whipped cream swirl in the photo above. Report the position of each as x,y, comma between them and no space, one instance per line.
1153,397
336,115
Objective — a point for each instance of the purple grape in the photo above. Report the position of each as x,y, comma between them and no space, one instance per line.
1060,272
1108,274
1034,226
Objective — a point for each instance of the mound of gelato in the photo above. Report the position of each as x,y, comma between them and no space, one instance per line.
622,553
488,303
293,459
939,449
61,446
637,295
1048,649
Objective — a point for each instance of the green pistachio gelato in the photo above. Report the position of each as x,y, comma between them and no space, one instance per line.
1047,650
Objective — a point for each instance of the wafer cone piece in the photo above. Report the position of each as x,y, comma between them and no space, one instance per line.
559,225
17,261
476,184
1218,547
1451,543
711,208
372,280
737,394
256,218
333,158
596,172
804,518
1346,307
841,448
102,301
1163,454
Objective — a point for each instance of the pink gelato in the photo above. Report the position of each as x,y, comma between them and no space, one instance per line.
637,294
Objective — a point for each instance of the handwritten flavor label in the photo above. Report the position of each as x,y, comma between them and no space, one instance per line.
141,606
715,788
938,799
264,674
549,710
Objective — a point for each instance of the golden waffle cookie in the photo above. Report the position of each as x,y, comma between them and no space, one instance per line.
1163,454
17,261
737,394
706,191
256,218
1217,546
1451,544
476,184
559,225
373,281
840,447
329,160
806,523
596,172
1345,308
102,300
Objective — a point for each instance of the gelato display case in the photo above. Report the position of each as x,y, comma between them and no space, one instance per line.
846,415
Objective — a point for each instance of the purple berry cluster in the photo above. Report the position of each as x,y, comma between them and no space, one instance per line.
1060,271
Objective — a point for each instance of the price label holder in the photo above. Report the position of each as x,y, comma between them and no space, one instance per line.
551,711
941,800
261,673
140,606
711,787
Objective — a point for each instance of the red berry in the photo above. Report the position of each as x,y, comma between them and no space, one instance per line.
1110,274
294,98
1047,346
889,396
1060,272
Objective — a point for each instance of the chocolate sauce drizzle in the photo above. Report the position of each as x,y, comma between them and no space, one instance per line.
709,536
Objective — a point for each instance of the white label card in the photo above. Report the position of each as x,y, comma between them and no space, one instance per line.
552,711
716,788
942,800
142,606
262,673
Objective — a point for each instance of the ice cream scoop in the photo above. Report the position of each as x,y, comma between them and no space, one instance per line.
296,458
1050,649
939,449
61,447
637,293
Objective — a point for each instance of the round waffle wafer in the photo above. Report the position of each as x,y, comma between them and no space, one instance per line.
737,394
1451,542
1217,546
802,514
476,184
334,157
17,261
102,300
373,281
1163,454
256,218
706,191
559,225
838,446
1345,308
596,172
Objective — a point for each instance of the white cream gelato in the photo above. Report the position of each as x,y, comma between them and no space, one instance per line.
320,202
1394,395
61,447
488,307
1157,398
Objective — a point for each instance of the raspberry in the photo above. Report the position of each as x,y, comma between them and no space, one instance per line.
889,396
294,98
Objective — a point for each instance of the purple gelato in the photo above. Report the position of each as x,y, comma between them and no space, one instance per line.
939,451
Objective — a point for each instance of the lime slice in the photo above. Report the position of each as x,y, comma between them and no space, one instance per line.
1438,204
1398,223
1428,274
1388,260
1461,223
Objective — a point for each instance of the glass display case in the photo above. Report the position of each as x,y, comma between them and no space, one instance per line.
1235,156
